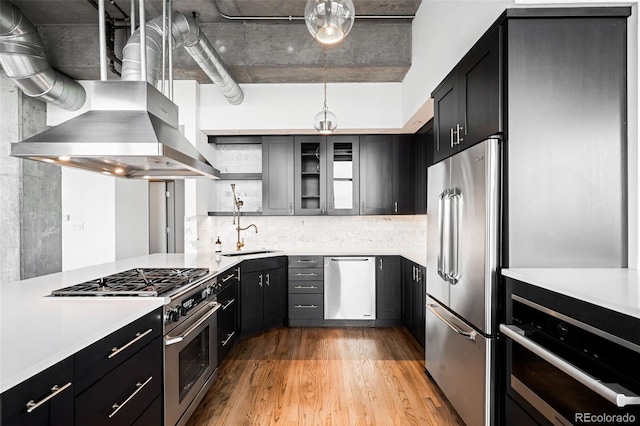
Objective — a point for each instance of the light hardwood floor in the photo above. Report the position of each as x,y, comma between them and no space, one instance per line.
325,376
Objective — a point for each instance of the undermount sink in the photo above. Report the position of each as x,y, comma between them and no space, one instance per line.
243,253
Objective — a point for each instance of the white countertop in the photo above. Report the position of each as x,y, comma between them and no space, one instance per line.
615,289
37,330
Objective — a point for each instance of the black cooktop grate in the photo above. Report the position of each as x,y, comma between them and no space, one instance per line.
135,282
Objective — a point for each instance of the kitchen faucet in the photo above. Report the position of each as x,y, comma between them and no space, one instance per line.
237,204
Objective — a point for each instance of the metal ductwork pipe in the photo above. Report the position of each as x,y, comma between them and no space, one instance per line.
23,59
186,33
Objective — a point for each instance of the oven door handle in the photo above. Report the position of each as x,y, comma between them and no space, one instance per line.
169,340
612,392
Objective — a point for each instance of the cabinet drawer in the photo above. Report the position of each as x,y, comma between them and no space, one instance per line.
306,274
306,287
106,354
228,277
306,306
228,312
305,262
227,337
134,385
58,410
153,415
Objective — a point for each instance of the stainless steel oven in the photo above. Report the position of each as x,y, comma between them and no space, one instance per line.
191,353
564,371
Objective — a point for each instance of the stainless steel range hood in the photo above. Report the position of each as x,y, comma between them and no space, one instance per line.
130,131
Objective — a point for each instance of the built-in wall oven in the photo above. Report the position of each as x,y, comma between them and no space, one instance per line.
564,370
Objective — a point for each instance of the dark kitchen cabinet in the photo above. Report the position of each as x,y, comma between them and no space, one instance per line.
277,172
387,174
263,294
414,291
388,290
467,102
326,175
306,290
424,158
27,403
228,297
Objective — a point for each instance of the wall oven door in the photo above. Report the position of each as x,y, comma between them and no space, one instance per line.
564,372
190,362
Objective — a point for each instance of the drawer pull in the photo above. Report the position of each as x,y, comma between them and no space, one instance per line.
305,286
116,407
226,305
115,351
301,274
306,261
307,306
227,278
55,390
229,336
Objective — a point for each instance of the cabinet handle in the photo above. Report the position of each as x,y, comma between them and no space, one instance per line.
260,280
290,208
267,280
413,269
362,209
229,336
305,287
115,351
307,306
322,208
301,274
306,261
55,390
330,207
395,207
451,138
227,278
380,264
459,129
228,304
116,407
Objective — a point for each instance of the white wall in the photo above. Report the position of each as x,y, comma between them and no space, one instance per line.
88,236
132,217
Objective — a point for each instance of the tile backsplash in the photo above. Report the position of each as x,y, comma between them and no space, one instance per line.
322,233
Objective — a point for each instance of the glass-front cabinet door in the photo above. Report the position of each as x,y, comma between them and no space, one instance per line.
327,175
310,175
343,175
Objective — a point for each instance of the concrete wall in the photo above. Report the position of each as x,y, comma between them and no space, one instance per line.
30,214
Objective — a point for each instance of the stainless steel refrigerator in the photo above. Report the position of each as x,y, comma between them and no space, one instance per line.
462,259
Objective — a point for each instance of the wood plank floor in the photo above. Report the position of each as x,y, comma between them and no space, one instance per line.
325,376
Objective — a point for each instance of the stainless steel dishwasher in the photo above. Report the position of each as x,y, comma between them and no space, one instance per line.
349,288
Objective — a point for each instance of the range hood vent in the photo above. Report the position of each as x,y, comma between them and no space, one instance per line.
131,131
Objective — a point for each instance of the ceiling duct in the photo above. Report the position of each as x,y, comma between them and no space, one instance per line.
186,32
23,59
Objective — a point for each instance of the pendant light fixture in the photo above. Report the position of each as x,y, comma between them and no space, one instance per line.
325,121
329,21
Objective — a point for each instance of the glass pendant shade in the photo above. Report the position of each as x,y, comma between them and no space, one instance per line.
325,122
329,21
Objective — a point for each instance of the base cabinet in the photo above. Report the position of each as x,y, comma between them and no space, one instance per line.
262,294
115,381
27,403
228,297
388,290
306,290
414,293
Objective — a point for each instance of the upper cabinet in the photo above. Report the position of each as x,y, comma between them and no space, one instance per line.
424,158
387,174
326,175
277,170
467,102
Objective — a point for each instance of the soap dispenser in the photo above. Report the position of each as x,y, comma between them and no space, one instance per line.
218,246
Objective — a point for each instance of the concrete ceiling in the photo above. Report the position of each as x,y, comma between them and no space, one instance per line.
254,50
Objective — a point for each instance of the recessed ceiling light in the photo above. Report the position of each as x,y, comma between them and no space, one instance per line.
119,171
64,158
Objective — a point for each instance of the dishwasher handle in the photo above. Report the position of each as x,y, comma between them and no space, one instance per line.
350,259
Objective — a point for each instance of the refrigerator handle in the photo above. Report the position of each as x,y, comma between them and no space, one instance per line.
455,198
471,335
442,215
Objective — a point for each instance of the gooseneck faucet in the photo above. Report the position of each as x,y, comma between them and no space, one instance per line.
237,204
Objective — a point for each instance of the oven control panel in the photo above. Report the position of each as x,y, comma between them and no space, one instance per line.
181,307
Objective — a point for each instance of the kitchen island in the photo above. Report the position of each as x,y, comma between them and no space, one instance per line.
38,330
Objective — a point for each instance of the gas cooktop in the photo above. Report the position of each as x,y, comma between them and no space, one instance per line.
136,282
